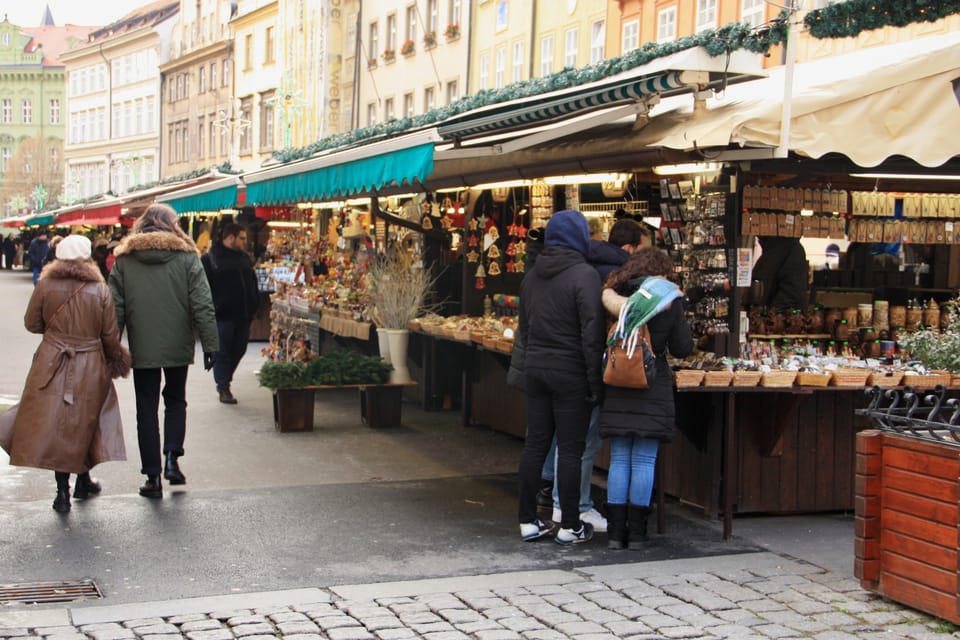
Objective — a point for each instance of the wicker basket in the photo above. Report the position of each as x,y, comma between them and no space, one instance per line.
720,378
812,379
490,342
477,336
954,380
778,378
461,334
688,377
746,378
849,377
884,379
505,345
928,381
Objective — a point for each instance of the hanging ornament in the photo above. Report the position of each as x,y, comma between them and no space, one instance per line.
474,225
473,256
480,284
426,223
511,266
480,272
521,231
482,220
473,240
494,269
493,252
511,249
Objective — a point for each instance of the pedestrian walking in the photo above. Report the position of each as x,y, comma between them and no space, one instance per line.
51,251
561,326
162,299
9,252
233,283
68,418
637,420
37,253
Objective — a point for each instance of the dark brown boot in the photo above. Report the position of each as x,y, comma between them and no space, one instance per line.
637,526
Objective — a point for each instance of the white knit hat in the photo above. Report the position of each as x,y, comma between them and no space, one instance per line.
74,247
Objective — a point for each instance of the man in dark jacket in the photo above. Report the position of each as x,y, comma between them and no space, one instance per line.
606,256
562,328
233,283
37,252
782,272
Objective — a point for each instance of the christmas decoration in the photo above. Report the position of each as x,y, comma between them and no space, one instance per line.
849,18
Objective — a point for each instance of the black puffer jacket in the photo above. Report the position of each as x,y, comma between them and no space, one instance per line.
650,412
562,320
233,282
606,257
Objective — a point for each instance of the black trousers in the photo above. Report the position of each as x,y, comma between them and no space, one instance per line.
234,335
556,404
146,384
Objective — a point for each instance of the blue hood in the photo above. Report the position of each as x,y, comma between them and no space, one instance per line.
568,228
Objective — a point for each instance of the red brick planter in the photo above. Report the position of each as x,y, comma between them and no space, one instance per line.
907,520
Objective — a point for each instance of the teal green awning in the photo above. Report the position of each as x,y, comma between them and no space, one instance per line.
341,180
197,199
39,219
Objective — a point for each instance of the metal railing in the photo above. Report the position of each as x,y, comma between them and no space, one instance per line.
932,416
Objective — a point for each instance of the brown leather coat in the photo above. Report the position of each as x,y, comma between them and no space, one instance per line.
68,418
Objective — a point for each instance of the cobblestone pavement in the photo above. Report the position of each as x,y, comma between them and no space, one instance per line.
747,596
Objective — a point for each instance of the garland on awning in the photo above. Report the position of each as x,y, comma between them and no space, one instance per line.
716,42
850,18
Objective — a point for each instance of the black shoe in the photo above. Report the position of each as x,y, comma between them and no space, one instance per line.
545,497
171,470
86,486
152,488
226,397
61,504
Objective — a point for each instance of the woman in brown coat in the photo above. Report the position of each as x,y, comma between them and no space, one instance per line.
68,419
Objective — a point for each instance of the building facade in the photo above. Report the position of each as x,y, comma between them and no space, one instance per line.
414,57
32,113
114,102
199,112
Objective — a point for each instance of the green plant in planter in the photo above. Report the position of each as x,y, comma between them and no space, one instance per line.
937,350
282,375
347,367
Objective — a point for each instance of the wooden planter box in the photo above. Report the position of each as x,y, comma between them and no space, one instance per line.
293,410
907,520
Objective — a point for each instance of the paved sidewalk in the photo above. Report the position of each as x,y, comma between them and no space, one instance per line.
745,596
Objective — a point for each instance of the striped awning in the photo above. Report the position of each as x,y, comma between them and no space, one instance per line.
542,111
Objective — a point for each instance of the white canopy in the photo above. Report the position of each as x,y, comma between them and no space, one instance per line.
869,105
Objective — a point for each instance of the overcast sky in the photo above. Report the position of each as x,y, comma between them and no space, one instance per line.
97,13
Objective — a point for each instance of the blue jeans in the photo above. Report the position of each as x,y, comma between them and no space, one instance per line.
36,273
234,336
590,450
632,463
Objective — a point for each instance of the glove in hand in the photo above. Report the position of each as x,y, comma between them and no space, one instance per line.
208,360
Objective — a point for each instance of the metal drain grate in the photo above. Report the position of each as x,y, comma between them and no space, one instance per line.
41,592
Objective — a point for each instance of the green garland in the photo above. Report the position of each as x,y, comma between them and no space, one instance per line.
850,18
716,42
333,369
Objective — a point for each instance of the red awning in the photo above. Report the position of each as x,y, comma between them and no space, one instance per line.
101,216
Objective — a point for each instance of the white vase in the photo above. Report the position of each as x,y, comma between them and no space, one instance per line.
398,339
383,342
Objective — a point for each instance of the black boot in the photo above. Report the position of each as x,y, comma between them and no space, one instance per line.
616,526
637,525
171,470
152,488
61,504
86,486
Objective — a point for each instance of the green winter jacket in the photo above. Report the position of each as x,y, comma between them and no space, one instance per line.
163,299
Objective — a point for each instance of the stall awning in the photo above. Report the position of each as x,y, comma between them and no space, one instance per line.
869,105
210,196
15,221
682,72
395,161
102,216
39,219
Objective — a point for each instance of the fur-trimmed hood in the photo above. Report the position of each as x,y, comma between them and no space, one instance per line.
83,270
156,241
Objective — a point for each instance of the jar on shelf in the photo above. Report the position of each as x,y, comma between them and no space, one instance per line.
842,330
898,315
931,315
865,315
881,315
914,316
850,315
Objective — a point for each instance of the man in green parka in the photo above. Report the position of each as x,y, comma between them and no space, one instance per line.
163,300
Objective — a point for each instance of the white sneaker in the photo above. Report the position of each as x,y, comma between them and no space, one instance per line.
596,519
578,536
533,530
593,517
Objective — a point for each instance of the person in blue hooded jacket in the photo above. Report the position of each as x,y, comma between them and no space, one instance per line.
562,328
